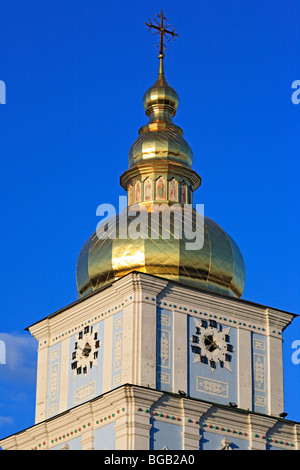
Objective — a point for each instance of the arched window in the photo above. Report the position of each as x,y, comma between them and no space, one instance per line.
183,192
173,190
148,189
137,191
160,189
129,195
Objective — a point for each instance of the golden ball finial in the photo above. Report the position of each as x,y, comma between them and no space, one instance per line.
161,100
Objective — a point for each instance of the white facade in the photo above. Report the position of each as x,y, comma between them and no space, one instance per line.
170,359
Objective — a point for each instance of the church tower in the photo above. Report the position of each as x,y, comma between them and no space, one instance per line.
160,351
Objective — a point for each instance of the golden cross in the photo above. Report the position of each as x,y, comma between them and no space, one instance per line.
162,30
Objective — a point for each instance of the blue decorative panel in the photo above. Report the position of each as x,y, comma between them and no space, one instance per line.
214,441
86,364
105,437
116,376
212,360
260,373
54,380
165,435
164,350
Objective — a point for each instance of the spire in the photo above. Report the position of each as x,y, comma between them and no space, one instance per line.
161,100
161,74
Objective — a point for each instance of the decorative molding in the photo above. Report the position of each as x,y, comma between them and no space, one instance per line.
55,354
117,355
259,344
158,414
80,429
226,444
131,401
259,372
216,427
260,401
54,381
85,392
165,352
213,387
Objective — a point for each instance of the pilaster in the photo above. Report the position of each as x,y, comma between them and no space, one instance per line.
42,372
259,426
192,413
64,376
180,333
297,436
87,440
133,428
107,354
275,376
244,369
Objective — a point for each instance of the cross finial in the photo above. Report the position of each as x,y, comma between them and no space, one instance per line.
161,29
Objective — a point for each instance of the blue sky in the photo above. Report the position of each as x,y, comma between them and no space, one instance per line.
75,74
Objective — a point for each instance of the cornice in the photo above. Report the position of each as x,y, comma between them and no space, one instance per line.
157,167
126,403
167,294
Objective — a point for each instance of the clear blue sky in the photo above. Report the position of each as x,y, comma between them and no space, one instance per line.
75,74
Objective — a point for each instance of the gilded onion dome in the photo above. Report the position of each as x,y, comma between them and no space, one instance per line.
217,267
160,179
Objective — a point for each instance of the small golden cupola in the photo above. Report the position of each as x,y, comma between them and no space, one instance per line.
160,153
160,138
